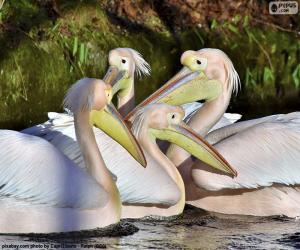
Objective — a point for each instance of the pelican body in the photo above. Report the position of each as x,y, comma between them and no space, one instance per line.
43,191
265,152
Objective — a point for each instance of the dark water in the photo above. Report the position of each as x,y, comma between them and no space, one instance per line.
196,229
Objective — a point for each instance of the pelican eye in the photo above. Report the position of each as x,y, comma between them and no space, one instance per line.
123,61
198,62
108,93
174,118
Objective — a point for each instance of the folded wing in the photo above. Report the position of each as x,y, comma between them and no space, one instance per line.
136,185
263,154
33,172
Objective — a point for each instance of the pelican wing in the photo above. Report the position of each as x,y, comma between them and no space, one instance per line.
214,136
263,154
227,119
35,172
136,185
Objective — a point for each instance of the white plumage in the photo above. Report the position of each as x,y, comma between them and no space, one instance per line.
42,190
227,119
136,185
264,152
34,171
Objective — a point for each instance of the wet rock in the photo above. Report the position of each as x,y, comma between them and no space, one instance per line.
192,216
117,230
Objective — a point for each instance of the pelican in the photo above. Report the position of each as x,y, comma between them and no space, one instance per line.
43,191
164,122
265,152
124,63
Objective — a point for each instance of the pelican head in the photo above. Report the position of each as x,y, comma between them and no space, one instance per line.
123,64
206,74
215,64
165,122
93,97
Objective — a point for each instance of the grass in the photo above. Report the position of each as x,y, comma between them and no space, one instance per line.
53,54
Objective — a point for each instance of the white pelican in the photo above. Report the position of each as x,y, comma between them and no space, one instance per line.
265,152
43,191
165,122
124,63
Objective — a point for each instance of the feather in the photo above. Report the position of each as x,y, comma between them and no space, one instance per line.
227,119
141,66
35,172
263,154
81,95
135,184
233,79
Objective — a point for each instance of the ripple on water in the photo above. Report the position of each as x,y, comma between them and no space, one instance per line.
292,240
195,229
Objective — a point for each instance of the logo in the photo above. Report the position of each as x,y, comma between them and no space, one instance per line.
283,7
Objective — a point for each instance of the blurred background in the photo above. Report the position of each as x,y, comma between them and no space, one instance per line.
46,45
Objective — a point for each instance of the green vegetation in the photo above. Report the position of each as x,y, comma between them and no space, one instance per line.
44,53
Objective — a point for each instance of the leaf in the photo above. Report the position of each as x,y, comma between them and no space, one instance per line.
81,53
296,76
273,48
246,21
199,36
55,26
248,76
268,76
234,46
86,52
75,46
236,19
233,28
214,24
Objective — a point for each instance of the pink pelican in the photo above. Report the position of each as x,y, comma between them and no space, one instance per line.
265,152
43,191
124,63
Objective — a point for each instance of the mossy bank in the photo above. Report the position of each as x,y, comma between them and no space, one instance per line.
45,48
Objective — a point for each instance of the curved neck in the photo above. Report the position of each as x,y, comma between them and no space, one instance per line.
90,152
202,122
126,98
148,143
210,113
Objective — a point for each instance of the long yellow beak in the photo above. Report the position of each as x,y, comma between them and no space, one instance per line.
186,86
112,77
160,93
189,140
110,121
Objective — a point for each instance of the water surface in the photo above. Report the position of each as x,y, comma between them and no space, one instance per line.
196,229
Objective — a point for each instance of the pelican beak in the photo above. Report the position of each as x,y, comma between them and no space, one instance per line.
189,140
110,121
112,77
186,86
